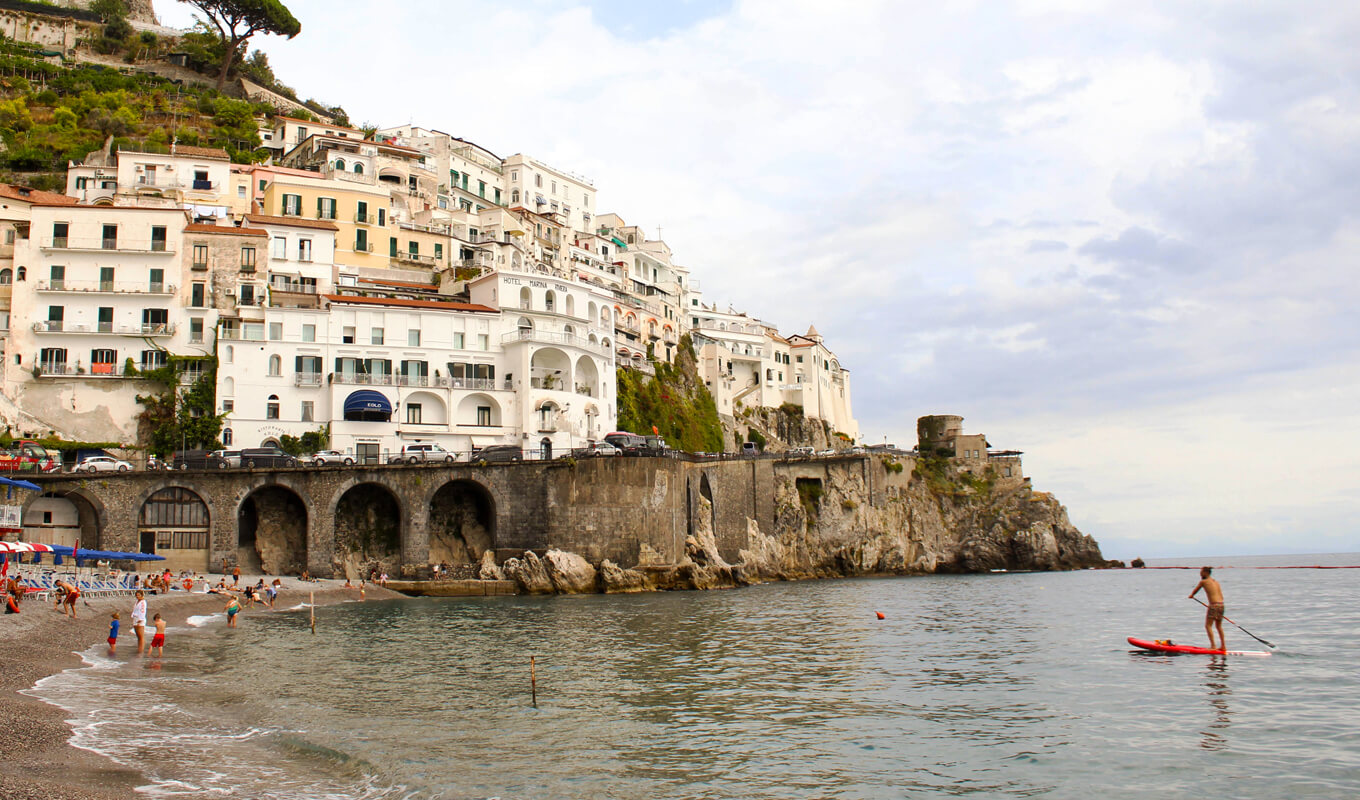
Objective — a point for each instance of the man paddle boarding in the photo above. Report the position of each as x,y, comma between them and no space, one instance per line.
1214,617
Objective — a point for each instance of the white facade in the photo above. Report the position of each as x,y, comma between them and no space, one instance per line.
548,190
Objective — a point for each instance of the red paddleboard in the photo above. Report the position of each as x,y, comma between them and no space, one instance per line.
1185,648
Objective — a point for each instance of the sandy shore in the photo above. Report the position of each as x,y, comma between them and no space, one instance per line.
36,759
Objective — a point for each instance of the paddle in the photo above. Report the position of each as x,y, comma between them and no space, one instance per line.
1239,627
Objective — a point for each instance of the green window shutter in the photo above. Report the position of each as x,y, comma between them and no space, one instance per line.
392,246
320,208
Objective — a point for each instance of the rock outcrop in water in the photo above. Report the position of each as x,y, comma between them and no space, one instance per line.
942,520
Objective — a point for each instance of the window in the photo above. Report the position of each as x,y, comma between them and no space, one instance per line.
53,359
247,294
110,237
155,320
514,175
226,432
197,295
347,334
275,331
377,336
483,342
271,407
340,164
392,246
514,196
413,337
358,168
57,275
361,241
158,238
292,205
481,189
229,354
382,217
325,208
275,366
196,330
538,180
484,415
247,259
438,251
304,250
106,279
60,232
241,191
200,256
280,247
308,407
457,341
102,361
554,188
413,248
498,196
413,413
309,333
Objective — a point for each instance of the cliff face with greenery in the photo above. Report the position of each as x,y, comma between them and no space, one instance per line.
674,401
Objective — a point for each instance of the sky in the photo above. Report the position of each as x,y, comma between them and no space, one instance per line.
1119,237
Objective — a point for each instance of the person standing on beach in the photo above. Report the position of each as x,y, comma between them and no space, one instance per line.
113,633
233,608
72,594
158,640
139,620
235,576
1213,618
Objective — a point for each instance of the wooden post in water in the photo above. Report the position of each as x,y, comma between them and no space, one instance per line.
312,595
533,681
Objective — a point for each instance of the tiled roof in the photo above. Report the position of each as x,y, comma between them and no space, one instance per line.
296,222
15,192
229,230
395,301
403,284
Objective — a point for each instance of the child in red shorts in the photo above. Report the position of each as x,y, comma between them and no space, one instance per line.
158,640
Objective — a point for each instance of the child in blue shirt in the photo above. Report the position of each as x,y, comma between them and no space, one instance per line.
113,633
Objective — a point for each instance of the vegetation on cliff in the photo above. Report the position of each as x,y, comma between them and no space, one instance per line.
674,401
172,419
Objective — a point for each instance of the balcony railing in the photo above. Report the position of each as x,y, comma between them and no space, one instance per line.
363,379
294,288
545,337
415,258
241,335
158,246
307,379
365,247
366,219
412,380
106,287
488,384
55,326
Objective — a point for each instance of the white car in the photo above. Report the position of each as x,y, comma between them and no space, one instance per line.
103,464
323,457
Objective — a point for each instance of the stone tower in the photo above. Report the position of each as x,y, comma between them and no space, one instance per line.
938,430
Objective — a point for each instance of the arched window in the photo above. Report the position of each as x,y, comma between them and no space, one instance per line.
6,276
23,273
230,354
514,196
340,164
549,300
358,168
228,386
568,330
226,436
271,408
275,366
526,297
525,325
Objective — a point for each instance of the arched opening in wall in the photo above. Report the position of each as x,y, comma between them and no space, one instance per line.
570,303
706,492
587,377
62,518
545,449
526,298
462,524
550,368
525,326
550,300
174,523
271,532
368,524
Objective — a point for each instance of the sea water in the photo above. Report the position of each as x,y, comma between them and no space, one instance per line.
1000,685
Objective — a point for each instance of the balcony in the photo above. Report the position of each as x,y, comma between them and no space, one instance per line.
416,258
545,337
363,379
483,384
363,247
412,380
62,370
366,219
307,379
142,246
241,335
53,326
106,287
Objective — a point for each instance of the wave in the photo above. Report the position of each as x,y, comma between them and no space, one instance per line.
199,620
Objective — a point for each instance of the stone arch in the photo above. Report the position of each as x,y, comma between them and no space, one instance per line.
271,530
86,512
706,493
369,523
462,523
174,521
570,306
592,312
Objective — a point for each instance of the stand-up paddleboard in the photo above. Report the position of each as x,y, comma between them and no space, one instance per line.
1167,647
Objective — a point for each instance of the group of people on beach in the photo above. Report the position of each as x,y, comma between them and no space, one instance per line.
139,627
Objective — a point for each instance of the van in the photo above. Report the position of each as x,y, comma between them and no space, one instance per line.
749,449
498,454
426,453
252,457
629,444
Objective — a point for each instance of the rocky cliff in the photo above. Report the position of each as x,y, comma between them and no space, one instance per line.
938,520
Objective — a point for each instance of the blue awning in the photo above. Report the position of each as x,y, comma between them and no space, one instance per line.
21,484
62,551
367,400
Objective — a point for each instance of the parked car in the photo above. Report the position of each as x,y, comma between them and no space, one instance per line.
824,453
498,453
253,457
193,459
629,444
593,449
750,449
323,457
801,452
227,459
858,450
103,464
425,453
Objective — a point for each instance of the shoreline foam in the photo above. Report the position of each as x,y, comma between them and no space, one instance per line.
40,759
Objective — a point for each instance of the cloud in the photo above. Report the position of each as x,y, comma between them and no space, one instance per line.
1133,224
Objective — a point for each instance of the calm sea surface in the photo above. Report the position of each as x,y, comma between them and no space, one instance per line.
1002,685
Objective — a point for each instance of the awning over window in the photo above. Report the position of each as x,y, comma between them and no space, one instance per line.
367,405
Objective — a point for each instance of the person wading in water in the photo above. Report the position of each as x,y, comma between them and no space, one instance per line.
1213,618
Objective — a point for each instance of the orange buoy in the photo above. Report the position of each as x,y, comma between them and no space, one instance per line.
880,615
